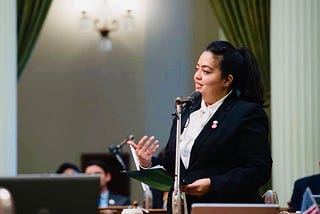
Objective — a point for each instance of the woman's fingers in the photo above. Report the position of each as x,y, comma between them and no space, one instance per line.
198,188
131,143
154,147
145,149
146,144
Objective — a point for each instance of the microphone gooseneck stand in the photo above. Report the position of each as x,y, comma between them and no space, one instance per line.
178,197
115,150
177,200
176,194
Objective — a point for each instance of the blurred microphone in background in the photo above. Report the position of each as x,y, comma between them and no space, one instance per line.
115,150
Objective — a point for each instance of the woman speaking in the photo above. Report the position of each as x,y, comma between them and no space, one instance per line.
225,154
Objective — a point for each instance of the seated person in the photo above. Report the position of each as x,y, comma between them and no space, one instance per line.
68,168
107,198
300,185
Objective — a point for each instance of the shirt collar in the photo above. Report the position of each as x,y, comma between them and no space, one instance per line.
214,105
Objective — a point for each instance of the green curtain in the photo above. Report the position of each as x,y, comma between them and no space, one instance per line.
247,23
31,15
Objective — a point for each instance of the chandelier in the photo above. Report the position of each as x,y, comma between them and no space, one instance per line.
105,16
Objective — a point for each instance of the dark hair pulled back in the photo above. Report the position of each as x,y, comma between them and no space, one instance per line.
242,65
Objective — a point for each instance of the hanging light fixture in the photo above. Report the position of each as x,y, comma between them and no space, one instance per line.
105,15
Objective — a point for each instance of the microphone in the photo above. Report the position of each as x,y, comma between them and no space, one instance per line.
115,150
194,96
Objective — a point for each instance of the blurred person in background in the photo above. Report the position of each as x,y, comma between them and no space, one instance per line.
107,198
68,168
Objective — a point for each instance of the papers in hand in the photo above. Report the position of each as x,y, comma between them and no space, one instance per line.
156,177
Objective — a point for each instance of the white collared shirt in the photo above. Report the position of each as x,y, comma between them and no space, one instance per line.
197,120
103,200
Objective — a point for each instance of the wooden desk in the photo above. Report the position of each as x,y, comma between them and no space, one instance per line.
158,211
118,210
112,209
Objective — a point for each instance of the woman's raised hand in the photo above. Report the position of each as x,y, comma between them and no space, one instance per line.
145,149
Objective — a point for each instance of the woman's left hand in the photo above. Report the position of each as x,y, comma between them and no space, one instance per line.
198,188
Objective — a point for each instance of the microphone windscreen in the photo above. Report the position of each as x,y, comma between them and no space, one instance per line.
196,95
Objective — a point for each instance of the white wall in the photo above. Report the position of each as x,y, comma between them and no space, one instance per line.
75,99
295,52
8,85
176,33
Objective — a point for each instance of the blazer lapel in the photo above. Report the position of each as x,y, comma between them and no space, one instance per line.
208,129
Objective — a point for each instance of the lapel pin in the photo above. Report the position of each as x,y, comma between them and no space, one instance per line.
111,202
214,124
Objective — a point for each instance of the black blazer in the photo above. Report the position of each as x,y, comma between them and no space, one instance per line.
235,155
118,200
300,185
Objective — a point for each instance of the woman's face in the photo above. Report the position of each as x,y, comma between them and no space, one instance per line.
208,79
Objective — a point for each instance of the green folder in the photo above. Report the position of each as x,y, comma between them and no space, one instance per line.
156,177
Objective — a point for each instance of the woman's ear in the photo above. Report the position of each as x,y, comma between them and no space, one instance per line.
228,80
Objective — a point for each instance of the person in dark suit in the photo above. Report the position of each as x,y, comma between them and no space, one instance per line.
300,185
225,154
107,198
